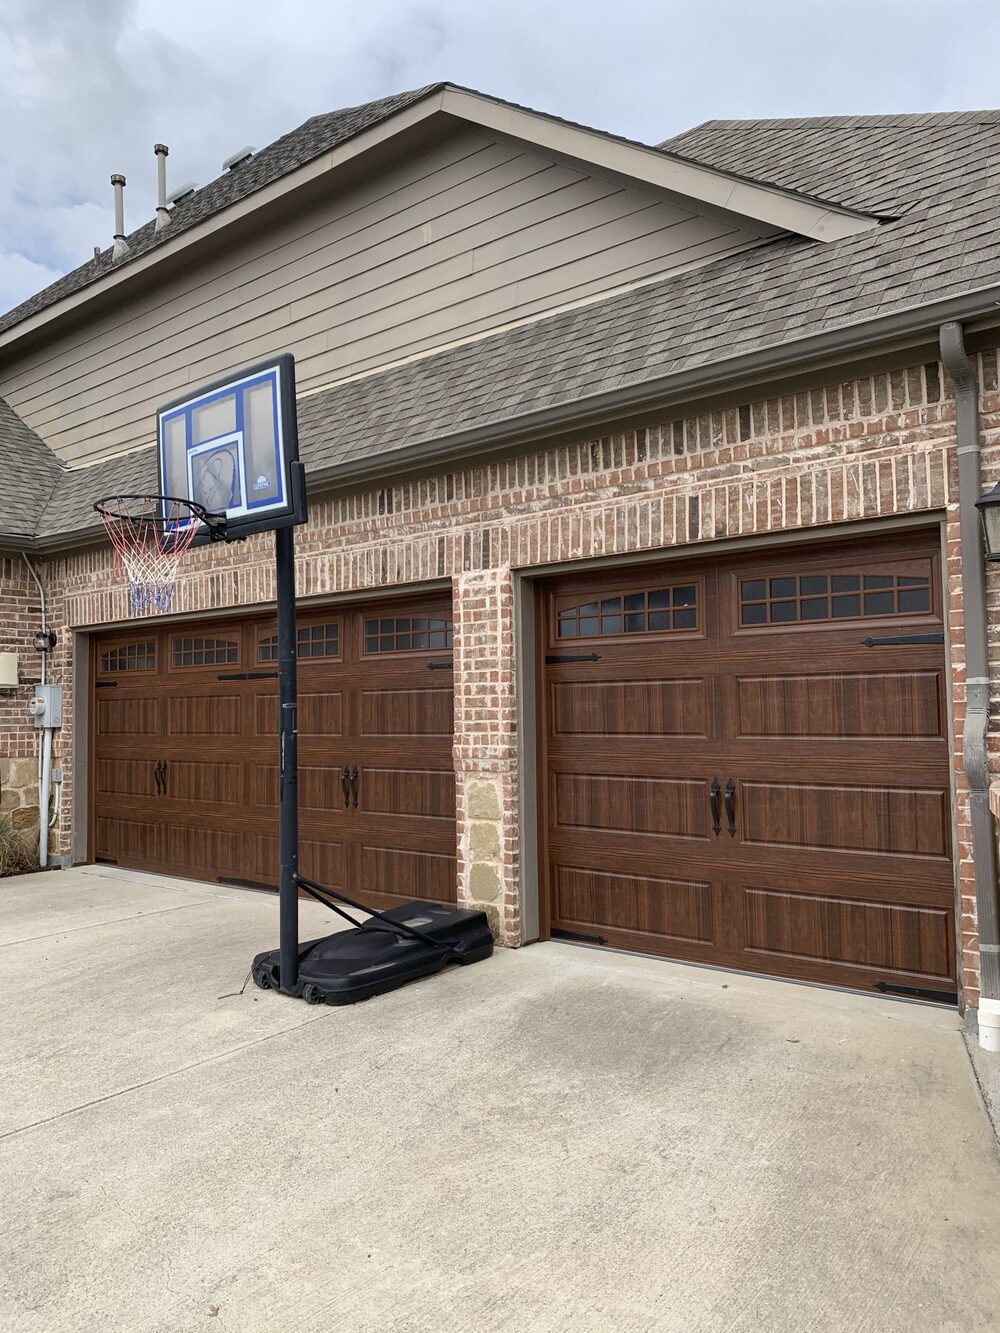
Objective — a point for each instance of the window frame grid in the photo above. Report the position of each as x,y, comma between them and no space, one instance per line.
612,607
892,584
392,629
306,634
231,646
146,648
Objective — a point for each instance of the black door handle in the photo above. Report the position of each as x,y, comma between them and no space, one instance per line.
713,800
730,815
163,777
157,776
345,779
354,784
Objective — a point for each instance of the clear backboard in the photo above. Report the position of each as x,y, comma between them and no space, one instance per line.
232,447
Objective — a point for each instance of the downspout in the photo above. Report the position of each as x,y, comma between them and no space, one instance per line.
965,377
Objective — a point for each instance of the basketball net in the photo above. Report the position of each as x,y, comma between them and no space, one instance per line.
150,535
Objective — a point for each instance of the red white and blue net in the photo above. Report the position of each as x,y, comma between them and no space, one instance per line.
150,535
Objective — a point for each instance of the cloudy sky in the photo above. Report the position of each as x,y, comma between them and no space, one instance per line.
87,86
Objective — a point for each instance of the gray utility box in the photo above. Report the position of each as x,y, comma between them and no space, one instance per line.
45,706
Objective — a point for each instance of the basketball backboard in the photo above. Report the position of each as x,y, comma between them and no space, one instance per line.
232,447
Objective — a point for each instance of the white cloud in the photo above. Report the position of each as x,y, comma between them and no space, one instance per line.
86,89
19,277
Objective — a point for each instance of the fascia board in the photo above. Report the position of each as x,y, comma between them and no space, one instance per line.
767,204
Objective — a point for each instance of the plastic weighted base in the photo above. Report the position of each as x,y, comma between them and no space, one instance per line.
373,958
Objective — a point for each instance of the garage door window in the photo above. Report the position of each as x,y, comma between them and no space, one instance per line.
793,598
199,652
313,641
130,657
406,634
650,611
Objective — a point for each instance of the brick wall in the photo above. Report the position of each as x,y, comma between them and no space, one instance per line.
874,447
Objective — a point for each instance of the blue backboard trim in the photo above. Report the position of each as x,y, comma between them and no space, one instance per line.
245,513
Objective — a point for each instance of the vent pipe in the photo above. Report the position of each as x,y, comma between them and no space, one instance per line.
120,248
162,213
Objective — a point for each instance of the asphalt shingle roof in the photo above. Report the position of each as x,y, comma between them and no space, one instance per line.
29,472
938,174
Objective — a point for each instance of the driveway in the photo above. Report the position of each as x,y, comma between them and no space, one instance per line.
557,1138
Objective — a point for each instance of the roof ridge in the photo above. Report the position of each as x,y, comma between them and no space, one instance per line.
877,120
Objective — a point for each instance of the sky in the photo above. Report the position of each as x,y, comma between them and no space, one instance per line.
88,86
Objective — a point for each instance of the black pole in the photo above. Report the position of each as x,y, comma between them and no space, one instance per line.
288,761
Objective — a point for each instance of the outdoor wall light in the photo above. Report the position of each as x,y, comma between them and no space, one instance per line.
989,511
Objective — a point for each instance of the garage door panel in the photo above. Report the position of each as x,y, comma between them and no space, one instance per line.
908,821
641,707
640,756
319,788
207,781
390,713
206,852
924,881
913,763
891,938
320,714
128,841
121,776
126,717
321,858
883,705
407,793
676,909
669,807
205,715
404,872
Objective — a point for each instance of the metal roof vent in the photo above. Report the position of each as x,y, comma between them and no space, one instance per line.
162,214
120,248
181,193
238,158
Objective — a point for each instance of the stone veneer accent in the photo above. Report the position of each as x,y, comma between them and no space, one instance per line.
19,793
868,448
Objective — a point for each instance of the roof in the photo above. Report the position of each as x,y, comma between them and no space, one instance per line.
29,470
939,173
320,135
878,164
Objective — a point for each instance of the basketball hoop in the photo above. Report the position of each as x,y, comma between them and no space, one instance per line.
150,535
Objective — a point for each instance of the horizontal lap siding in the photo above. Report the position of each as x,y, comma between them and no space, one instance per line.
468,237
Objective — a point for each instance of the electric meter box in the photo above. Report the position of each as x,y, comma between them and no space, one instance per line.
45,706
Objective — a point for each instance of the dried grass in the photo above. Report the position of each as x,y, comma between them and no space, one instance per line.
17,848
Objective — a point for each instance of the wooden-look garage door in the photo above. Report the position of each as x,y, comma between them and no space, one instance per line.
184,739
747,764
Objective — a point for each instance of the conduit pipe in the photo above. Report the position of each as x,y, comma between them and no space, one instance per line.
44,746
964,374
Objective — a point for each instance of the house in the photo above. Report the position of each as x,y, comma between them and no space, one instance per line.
642,590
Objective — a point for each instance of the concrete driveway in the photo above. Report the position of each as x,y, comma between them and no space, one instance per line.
554,1139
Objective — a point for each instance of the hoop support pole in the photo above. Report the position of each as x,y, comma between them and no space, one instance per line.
288,760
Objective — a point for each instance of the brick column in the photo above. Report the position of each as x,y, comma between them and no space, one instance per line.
486,774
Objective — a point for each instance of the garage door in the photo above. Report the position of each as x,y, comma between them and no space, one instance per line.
747,764
184,771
